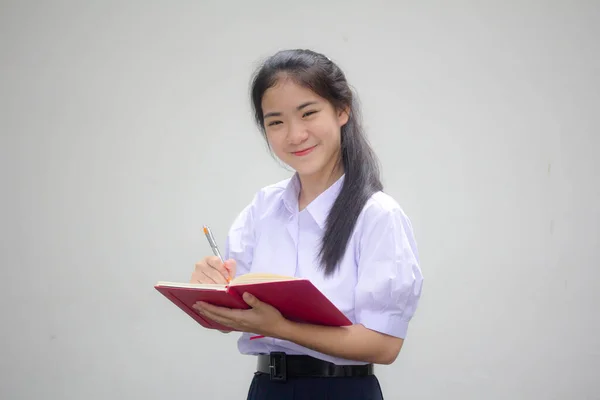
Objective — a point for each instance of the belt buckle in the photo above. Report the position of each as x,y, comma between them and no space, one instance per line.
277,365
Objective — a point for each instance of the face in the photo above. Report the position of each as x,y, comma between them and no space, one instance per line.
302,128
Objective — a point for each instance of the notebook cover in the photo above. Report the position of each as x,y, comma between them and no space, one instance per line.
185,298
297,300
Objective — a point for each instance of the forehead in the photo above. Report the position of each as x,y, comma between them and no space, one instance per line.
286,95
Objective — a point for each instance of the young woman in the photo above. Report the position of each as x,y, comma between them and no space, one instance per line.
330,223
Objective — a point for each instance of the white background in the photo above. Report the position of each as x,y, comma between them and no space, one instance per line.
126,126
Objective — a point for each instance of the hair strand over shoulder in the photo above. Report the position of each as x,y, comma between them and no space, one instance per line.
361,169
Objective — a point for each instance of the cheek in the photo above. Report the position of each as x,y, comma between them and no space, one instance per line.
327,133
275,143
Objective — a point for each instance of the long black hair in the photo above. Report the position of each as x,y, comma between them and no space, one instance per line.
361,168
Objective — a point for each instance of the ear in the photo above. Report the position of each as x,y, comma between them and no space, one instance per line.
343,116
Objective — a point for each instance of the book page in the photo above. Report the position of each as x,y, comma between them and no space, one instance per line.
260,277
208,286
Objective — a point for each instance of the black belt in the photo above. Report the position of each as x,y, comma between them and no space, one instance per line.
281,366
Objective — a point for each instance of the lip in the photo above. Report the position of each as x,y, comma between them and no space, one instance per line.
304,152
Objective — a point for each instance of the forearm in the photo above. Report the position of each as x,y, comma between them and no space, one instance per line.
353,342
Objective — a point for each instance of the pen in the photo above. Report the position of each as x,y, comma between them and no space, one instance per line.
214,247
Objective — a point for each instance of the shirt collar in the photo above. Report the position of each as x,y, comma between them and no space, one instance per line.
319,207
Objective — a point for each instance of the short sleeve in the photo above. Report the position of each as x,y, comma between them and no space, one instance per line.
389,277
239,244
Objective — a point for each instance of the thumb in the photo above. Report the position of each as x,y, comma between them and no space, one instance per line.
251,300
231,267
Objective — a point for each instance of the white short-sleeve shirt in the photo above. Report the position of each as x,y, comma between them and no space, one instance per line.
378,283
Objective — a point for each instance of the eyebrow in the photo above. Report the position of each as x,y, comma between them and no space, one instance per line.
300,107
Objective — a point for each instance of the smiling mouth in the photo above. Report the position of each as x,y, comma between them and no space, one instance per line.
303,152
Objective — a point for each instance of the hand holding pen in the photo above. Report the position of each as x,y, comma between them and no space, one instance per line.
213,269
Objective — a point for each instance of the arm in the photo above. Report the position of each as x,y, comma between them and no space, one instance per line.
352,343
386,295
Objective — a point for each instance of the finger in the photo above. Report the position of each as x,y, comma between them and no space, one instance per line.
236,316
211,262
203,278
215,316
213,276
216,264
200,265
200,277
223,321
216,310
251,300
197,277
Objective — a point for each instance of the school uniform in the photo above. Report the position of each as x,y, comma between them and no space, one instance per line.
378,284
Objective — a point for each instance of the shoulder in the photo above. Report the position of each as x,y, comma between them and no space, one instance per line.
264,202
384,228
273,192
381,205
268,198
382,211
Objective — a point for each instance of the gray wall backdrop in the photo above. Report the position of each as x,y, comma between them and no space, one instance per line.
125,126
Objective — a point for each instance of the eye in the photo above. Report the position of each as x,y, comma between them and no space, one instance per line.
309,113
273,123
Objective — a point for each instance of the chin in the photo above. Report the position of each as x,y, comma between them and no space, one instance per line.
307,170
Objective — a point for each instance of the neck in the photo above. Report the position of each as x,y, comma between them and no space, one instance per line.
313,185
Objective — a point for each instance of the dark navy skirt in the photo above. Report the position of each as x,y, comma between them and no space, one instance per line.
328,388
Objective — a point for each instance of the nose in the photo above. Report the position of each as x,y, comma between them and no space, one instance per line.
297,133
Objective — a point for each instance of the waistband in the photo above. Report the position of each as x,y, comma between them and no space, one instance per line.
281,366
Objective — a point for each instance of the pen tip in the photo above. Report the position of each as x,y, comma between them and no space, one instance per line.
205,230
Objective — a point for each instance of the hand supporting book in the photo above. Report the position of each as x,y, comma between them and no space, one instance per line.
261,318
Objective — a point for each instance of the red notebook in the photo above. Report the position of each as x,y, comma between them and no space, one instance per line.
296,298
